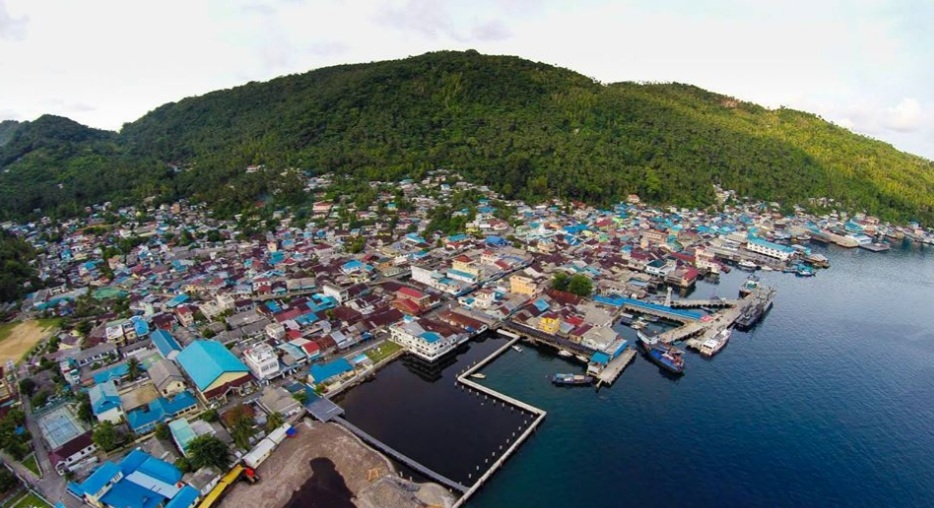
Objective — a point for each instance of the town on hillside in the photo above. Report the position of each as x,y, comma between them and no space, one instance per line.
184,350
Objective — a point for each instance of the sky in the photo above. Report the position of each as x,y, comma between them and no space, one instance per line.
862,64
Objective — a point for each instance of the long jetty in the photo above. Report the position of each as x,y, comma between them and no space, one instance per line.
539,416
404,459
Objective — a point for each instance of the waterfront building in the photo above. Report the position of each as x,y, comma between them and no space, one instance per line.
213,368
767,248
262,361
429,342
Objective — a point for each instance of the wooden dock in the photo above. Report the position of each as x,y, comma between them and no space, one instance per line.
616,367
539,414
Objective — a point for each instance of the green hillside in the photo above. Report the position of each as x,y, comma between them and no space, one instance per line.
528,129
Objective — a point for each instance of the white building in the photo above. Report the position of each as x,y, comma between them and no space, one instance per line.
427,345
774,250
262,361
336,292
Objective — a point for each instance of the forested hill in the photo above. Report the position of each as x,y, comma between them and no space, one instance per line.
529,129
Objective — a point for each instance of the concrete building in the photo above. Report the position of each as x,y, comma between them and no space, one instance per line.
105,402
522,285
774,250
167,378
426,344
262,361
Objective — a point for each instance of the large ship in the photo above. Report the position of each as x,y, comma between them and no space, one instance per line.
571,380
754,311
665,356
713,345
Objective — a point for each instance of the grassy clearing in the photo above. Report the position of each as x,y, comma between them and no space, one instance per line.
32,465
30,500
6,329
383,351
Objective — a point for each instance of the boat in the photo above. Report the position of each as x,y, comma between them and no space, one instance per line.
804,271
713,345
767,268
751,284
754,311
747,265
564,353
571,380
665,356
478,375
516,348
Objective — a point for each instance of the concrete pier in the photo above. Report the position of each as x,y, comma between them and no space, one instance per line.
616,367
539,416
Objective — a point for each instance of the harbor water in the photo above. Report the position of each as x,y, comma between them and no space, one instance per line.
827,402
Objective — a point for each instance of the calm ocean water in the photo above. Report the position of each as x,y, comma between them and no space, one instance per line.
827,402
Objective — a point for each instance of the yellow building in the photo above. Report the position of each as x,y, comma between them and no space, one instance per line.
522,285
550,324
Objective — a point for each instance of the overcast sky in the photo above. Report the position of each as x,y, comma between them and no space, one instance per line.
863,64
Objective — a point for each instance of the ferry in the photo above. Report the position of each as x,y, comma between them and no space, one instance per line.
516,348
571,380
747,265
751,284
667,357
478,375
713,346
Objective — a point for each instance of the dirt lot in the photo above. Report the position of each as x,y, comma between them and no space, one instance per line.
22,337
139,397
364,471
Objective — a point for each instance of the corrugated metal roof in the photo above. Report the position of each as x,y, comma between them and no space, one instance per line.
207,360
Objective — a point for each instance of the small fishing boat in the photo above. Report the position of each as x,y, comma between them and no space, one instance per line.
516,348
478,375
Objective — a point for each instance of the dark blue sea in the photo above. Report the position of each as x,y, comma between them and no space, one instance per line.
828,402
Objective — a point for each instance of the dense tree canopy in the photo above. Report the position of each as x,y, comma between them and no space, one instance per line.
17,276
528,129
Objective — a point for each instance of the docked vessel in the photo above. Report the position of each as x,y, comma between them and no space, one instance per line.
564,353
747,265
516,348
751,284
804,271
713,345
665,356
571,380
478,375
755,310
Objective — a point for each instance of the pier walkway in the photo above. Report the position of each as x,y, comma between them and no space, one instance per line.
616,367
451,484
539,414
713,303
552,340
707,329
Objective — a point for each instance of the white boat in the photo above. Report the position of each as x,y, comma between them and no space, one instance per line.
517,348
564,353
478,375
766,268
746,264
713,345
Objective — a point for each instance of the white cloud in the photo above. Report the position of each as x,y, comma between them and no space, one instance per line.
905,117
11,28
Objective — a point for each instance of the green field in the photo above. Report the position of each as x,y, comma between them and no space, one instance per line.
32,465
26,500
383,351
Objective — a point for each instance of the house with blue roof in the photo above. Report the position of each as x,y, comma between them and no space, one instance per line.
145,419
112,374
138,481
329,372
105,402
213,369
166,344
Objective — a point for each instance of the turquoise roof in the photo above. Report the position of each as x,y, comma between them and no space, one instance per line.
116,372
430,337
164,342
207,360
145,418
323,371
104,397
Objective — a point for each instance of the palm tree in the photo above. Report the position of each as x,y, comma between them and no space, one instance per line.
133,368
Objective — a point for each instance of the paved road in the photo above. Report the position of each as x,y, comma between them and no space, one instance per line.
50,484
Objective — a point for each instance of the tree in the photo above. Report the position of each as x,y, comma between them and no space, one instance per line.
580,285
39,399
560,281
27,387
133,368
206,451
106,436
84,327
239,420
210,416
7,480
84,408
274,421
163,432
